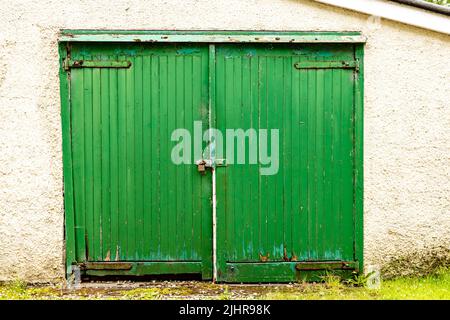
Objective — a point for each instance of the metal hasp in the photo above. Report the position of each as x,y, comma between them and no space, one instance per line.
328,65
69,63
220,162
131,209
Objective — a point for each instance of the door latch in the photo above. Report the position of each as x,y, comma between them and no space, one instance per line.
202,164
201,167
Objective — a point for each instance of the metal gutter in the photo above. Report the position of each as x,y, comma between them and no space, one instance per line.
426,5
393,10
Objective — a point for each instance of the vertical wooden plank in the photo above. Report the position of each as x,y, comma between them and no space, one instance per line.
130,162
239,197
297,132
180,204
305,126
329,225
78,147
147,146
311,166
348,162
138,157
105,165
88,159
122,247
254,169
114,158
217,68
246,116
288,167
164,173
96,166
336,210
263,183
272,100
199,243
189,251
207,88
172,186
68,165
319,161
156,159
278,178
230,192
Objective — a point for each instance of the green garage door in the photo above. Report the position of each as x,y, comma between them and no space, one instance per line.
302,215
132,210
131,202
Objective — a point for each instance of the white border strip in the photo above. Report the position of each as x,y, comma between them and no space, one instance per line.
212,157
214,224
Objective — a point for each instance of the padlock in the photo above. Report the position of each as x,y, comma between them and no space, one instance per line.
201,167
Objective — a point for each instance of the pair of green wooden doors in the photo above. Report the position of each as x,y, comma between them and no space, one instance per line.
136,212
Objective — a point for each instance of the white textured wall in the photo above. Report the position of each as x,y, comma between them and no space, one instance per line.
407,117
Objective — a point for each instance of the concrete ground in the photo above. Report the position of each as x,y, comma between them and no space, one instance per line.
432,286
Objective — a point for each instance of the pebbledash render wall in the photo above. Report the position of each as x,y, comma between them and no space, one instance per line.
406,114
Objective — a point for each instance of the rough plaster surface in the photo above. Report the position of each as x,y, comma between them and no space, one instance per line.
407,118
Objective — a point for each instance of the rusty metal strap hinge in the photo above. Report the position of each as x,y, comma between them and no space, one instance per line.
327,65
106,266
327,265
69,63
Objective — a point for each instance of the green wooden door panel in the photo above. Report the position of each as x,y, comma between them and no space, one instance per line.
132,203
304,212
126,201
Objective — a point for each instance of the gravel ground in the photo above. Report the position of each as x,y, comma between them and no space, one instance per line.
433,286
